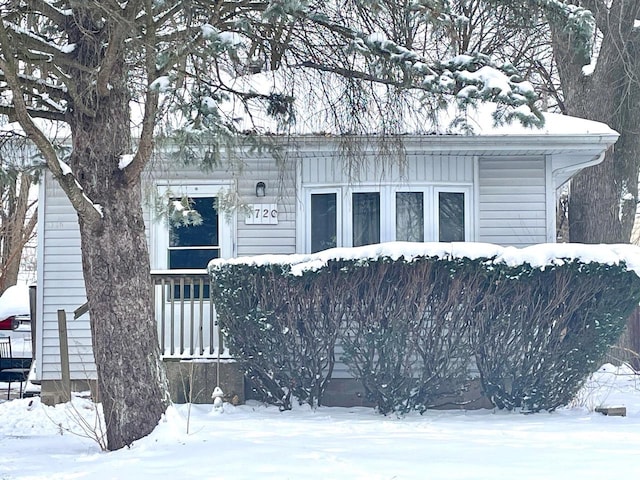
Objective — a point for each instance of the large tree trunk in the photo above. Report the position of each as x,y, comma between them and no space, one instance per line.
115,259
602,200
115,262
117,277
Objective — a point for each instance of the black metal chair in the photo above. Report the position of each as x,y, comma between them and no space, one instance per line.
11,369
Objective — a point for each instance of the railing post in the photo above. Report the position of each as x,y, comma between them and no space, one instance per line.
201,322
192,310
65,393
182,315
179,335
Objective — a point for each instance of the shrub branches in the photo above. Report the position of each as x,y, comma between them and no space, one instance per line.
410,327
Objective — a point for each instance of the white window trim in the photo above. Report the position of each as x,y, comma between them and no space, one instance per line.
160,230
344,209
307,216
468,221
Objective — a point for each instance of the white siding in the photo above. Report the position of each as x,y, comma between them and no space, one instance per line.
329,168
509,204
280,189
60,282
512,204
60,286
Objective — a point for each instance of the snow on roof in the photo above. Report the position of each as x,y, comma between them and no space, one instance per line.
14,301
554,124
312,107
539,256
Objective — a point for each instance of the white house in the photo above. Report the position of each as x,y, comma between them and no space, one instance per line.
496,186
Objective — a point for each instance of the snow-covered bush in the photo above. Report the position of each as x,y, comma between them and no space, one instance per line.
539,333
280,327
410,318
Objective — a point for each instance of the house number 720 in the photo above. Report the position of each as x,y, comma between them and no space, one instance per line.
262,214
266,213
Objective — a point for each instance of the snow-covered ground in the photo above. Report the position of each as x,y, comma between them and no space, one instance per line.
255,442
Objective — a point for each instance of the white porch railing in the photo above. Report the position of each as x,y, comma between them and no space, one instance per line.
187,324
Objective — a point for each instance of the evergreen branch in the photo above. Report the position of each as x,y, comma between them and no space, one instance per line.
56,92
348,73
25,44
67,181
122,23
46,9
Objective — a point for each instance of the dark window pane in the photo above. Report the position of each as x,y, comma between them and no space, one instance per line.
323,221
198,235
451,216
183,238
192,257
189,259
178,294
366,218
410,216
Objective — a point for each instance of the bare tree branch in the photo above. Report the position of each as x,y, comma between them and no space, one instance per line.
67,181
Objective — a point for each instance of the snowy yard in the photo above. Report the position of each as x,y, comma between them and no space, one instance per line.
253,441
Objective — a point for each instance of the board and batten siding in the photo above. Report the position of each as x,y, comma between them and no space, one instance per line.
513,201
280,189
329,168
243,176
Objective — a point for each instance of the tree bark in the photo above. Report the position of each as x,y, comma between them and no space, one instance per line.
115,256
602,201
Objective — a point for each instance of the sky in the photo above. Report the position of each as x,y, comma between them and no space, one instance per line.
253,441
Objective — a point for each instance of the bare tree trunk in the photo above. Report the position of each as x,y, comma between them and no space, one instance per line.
115,260
117,277
602,200
15,228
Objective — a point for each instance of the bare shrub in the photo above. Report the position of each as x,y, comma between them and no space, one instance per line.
406,335
539,333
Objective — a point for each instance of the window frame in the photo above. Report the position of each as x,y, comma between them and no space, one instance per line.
427,207
388,205
307,218
466,191
160,233
347,218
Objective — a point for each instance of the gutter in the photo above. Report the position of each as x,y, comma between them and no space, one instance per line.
580,166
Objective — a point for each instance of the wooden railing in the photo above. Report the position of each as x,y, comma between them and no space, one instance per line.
187,325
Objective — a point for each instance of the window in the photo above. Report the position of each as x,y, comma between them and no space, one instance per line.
451,221
410,216
324,221
193,246
374,214
366,218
